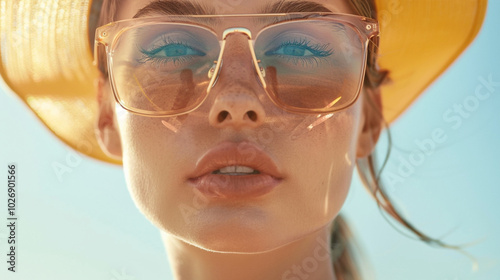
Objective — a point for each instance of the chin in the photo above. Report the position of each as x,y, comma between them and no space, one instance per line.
246,235
241,242
249,231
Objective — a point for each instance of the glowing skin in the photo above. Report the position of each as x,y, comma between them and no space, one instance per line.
263,237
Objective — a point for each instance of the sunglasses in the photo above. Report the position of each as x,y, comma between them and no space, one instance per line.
305,62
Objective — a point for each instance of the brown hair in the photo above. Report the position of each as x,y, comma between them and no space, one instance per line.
367,168
343,246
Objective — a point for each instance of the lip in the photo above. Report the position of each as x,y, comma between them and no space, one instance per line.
235,186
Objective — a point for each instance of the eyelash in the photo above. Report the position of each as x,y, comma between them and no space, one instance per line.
149,55
319,51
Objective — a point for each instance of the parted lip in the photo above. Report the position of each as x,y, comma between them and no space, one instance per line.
235,153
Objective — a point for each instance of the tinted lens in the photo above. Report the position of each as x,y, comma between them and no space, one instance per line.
311,65
163,67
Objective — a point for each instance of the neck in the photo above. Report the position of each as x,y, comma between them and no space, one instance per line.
308,258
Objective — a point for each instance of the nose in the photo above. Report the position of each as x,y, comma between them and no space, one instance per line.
237,88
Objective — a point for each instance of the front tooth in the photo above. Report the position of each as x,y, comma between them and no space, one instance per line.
236,169
228,169
244,169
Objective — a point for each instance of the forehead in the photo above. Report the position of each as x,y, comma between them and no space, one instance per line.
129,8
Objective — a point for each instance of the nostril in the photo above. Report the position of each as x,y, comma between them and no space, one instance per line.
222,116
225,115
236,111
252,115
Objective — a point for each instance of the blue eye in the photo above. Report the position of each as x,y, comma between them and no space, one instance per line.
170,51
293,51
300,49
173,50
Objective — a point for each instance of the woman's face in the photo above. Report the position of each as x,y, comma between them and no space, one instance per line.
181,170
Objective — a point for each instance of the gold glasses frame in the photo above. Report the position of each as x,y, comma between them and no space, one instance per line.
108,35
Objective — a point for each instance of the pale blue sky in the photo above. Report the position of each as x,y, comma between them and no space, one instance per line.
84,225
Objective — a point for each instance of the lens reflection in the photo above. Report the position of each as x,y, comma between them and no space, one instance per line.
310,65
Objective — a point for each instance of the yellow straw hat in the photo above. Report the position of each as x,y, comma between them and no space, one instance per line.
46,59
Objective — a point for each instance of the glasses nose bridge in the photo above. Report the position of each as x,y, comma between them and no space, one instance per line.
233,30
214,72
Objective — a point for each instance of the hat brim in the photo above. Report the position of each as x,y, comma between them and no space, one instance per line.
46,58
419,40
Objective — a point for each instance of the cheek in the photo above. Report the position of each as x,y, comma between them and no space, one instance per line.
152,166
324,163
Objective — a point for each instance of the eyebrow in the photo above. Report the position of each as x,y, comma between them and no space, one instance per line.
296,6
173,7
186,7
